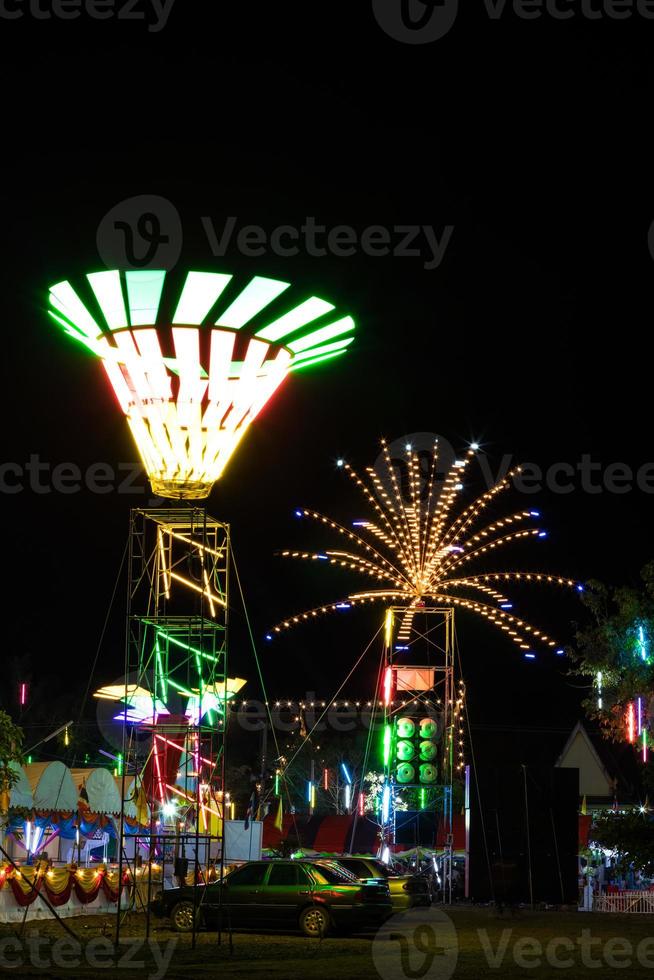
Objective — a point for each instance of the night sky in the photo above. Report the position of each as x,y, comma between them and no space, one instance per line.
530,137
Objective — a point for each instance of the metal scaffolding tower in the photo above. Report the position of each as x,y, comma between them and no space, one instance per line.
419,687
176,694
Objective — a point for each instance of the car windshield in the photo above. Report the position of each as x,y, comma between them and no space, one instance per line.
333,874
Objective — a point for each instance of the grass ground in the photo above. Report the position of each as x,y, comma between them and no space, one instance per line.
464,943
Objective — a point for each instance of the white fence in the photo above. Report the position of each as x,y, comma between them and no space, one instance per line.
624,902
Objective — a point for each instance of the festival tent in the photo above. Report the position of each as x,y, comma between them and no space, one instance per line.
52,785
100,786
21,791
132,803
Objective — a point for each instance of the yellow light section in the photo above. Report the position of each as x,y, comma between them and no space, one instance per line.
187,422
190,390
118,692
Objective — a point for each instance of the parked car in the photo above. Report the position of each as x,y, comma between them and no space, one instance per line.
407,890
280,894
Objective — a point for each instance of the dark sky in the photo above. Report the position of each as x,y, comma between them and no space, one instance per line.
530,137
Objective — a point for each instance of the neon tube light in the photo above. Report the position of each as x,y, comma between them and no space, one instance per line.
386,803
185,646
175,745
157,766
387,744
388,685
388,627
631,722
641,639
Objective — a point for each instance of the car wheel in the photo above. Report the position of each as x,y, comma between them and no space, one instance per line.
181,917
315,921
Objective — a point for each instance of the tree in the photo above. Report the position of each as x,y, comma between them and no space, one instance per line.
615,650
11,743
630,835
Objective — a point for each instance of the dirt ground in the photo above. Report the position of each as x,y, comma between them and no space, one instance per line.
463,943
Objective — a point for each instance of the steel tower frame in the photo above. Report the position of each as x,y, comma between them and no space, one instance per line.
176,649
431,648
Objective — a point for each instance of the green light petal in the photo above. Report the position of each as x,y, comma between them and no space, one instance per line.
200,292
144,295
73,332
325,333
337,345
314,360
299,317
254,298
64,298
109,294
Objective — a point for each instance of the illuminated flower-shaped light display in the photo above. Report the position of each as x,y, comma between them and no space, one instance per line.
193,362
141,707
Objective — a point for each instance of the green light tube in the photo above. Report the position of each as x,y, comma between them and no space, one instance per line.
185,646
73,332
144,295
323,349
254,298
325,333
200,292
64,298
183,690
387,744
109,294
310,310
162,673
315,360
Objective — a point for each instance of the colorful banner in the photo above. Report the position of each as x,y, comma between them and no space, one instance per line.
57,884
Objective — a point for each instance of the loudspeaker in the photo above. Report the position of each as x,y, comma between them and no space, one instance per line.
524,835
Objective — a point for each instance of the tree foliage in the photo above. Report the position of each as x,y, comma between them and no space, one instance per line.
631,835
11,743
615,649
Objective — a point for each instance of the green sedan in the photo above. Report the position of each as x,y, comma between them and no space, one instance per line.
315,898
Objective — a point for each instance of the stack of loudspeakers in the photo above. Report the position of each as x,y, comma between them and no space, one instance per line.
416,751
